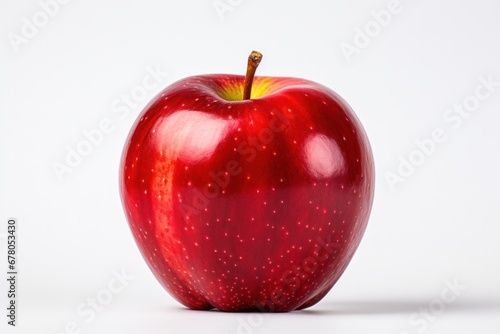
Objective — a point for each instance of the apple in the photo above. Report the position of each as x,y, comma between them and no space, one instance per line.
247,193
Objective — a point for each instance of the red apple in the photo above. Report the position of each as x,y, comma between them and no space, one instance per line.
242,203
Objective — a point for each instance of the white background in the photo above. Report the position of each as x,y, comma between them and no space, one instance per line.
441,223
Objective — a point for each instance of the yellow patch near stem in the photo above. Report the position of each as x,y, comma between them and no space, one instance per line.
260,87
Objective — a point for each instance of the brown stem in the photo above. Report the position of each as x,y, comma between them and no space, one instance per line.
253,62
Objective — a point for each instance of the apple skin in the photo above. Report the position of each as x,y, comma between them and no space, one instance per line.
246,205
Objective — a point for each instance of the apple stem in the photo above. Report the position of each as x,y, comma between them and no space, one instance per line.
253,62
